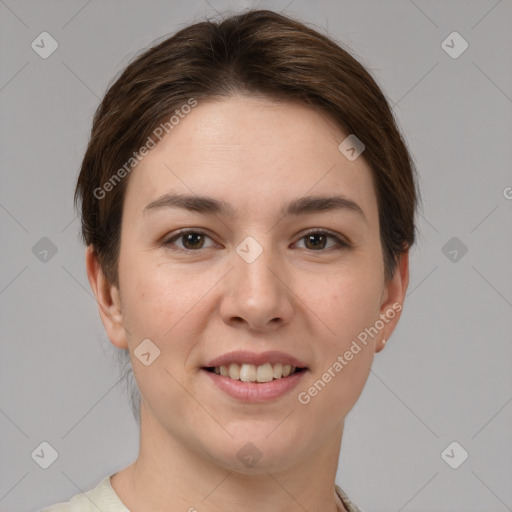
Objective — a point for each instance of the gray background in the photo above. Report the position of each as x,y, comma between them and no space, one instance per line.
446,372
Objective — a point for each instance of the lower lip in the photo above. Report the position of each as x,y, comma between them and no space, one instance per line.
253,391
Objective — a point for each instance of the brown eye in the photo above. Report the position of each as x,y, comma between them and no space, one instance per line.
317,240
191,240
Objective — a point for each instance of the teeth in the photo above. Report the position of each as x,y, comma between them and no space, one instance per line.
278,371
234,371
265,373
247,373
251,373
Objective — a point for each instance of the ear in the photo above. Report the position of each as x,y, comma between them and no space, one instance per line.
392,300
108,299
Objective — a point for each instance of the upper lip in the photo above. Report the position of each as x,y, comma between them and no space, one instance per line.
241,357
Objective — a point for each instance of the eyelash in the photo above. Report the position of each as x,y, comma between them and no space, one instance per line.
341,244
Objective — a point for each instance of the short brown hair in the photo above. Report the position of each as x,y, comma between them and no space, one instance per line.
258,52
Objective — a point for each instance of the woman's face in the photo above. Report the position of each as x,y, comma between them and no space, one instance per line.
252,286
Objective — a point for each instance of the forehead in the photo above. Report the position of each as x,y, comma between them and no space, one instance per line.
253,153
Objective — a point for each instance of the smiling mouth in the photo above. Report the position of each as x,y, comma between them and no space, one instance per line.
252,373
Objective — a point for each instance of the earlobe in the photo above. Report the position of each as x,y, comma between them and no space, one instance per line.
108,300
380,345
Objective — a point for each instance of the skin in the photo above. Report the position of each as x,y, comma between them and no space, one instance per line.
306,301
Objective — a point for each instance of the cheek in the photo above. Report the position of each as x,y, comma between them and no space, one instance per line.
348,303
341,371
348,306
158,304
333,392
155,295
166,304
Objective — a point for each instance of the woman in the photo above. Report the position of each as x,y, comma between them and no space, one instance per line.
248,207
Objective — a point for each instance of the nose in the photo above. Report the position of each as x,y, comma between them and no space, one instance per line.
256,294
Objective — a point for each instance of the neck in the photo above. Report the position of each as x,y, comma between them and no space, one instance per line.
169,473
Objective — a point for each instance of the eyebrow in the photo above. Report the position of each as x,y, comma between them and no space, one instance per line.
295,207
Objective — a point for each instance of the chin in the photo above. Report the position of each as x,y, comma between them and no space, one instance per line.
257,452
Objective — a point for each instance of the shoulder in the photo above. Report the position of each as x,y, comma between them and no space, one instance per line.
102,497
